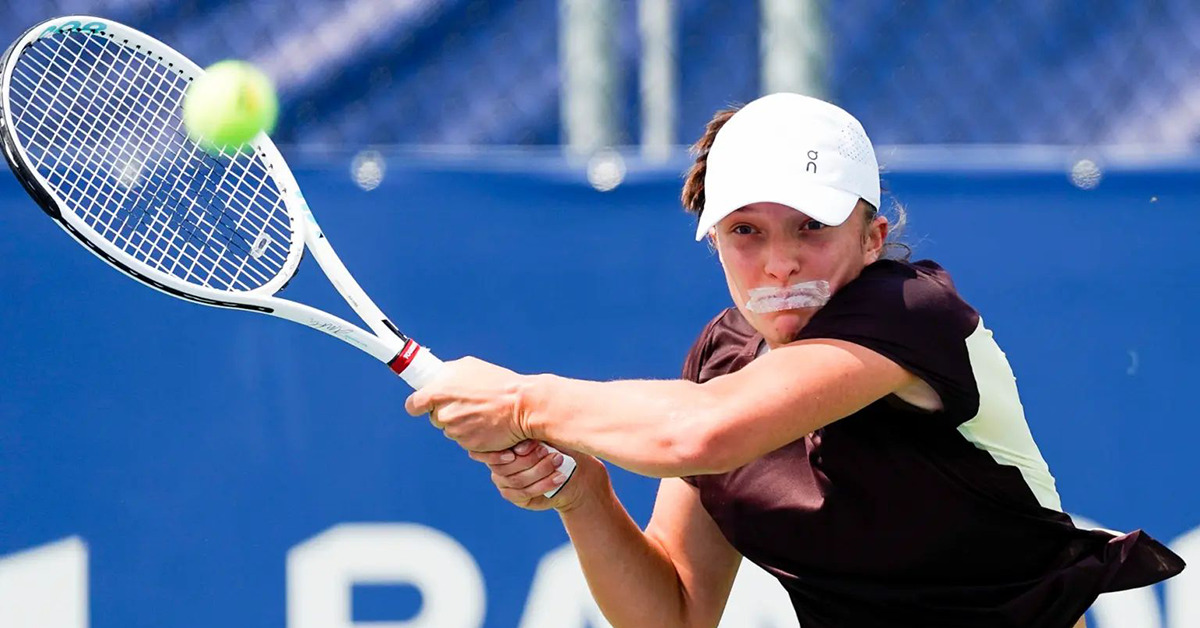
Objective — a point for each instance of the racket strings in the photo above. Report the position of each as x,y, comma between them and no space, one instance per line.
155,195
102,123
136,208
158,194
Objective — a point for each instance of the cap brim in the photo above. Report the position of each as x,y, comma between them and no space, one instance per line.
828,205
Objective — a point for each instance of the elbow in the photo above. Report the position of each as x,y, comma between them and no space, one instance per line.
702,447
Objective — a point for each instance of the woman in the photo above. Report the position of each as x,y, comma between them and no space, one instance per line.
850,426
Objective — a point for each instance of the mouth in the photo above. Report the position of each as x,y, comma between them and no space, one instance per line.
808,294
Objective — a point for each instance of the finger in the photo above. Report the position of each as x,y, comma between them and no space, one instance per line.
534,491
417,403
519,498
491,458
521,463
523,479
524,447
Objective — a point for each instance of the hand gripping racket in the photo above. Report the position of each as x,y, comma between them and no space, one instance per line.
91,124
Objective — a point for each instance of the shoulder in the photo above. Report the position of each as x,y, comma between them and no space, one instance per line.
923,283
912,294
720,346
911,314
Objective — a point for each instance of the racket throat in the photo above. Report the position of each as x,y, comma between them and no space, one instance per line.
395,330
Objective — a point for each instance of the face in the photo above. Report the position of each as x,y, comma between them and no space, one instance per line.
772,245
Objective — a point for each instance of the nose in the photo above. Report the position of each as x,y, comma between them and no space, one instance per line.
783,260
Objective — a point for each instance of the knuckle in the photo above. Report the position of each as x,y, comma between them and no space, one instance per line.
510,469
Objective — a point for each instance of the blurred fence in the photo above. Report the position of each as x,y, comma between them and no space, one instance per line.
470,72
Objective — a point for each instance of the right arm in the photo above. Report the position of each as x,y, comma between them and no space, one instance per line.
677,573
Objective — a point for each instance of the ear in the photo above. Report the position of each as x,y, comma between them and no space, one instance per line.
711,238
874,239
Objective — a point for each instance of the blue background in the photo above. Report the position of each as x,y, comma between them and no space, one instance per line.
191,447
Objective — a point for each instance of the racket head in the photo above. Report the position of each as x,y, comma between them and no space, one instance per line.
91,124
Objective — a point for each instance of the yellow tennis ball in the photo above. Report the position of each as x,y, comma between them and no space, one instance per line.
229,105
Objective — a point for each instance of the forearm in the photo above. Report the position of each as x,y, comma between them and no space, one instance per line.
679,428
654,428
632,580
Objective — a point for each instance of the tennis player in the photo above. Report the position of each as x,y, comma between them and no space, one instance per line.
851,425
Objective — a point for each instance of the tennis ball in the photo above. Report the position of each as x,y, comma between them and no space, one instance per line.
229,105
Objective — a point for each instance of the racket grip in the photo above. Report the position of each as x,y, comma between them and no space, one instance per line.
417,366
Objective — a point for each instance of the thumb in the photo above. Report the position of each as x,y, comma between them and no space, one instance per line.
417,404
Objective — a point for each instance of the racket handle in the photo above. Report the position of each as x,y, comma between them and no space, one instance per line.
417,366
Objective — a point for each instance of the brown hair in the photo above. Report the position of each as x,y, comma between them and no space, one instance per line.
693,184
693,189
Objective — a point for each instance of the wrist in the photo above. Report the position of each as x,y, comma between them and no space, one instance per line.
533,395
587,489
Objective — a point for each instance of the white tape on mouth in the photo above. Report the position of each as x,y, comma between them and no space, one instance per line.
802,295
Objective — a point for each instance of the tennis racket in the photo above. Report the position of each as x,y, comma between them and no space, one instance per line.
91,124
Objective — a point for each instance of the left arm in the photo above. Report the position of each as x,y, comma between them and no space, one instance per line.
678,428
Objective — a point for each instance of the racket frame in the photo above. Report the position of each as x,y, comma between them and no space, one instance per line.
385,344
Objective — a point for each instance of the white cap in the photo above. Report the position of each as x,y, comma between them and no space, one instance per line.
794,150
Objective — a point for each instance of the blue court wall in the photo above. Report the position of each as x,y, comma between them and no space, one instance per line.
191,448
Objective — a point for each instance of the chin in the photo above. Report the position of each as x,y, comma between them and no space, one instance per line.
786,325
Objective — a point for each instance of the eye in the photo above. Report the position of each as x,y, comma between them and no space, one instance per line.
813,225
742,229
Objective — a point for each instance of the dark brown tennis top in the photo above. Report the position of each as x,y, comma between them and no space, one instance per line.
899,517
